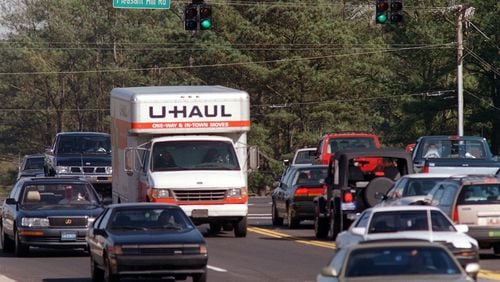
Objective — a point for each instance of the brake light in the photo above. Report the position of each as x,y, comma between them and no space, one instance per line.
455,215
348,197
307,192
379,173
425,169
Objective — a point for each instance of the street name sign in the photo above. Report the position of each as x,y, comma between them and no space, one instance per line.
141,4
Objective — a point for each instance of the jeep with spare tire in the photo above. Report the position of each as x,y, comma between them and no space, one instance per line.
350,190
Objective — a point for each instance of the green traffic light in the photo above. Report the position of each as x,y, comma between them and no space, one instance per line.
382,18
206,24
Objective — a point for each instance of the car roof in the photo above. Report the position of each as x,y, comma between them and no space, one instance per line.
428,175
82,133
142,205
39,155
476,179
393,242
54,180
306,149
402,208
351,134
307,166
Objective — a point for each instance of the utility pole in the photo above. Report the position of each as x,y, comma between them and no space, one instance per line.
460,59
463,14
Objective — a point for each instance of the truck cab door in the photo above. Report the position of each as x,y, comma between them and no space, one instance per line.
145,161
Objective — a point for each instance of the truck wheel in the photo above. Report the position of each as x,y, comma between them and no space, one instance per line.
240,227
378,185
293,222
320,227
277,221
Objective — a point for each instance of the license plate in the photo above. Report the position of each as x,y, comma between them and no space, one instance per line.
68,236
199,213
488,221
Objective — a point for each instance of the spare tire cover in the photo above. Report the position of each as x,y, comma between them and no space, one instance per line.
377,185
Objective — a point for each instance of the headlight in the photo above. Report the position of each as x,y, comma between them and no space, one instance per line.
34,222
161,193
234,192
63,169
109,170
90,221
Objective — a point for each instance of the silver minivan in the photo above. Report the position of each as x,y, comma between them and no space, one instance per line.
472,200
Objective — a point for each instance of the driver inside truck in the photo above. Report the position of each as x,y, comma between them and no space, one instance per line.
164,161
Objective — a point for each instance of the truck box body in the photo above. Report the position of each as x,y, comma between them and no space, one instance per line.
185,122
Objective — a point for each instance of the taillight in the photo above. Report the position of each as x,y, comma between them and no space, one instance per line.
379,173
302,191
348,197
425,169
455,215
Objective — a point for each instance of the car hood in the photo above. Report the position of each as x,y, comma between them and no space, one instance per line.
83,160
156,236
49,211
458,240
198,179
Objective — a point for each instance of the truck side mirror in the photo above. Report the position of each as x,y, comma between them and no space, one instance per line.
49,151
129,163
253,157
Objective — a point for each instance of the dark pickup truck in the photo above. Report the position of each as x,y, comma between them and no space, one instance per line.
454,155
85,154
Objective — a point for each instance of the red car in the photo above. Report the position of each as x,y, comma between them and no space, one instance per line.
330,143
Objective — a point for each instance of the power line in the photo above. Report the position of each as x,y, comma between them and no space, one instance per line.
433,47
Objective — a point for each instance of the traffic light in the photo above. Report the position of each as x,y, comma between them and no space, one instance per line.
381,11
205,17
396,11
191,17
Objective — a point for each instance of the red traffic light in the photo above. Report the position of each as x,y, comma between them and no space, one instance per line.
382,5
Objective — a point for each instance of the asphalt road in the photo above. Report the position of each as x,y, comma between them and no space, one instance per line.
266,254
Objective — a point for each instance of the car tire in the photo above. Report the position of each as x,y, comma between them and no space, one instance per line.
320,225
200,277
96,273
240,227
277,221
7,243
20,249
293,222
108,274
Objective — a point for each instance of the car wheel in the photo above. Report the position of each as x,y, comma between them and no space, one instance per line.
7,244
277,221
200,277
240,227
320,225
96,273
292,221
108,274
20,249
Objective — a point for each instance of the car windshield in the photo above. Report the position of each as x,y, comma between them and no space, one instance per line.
400,260
310,176
305,157
34,163
418,187
44,196
162,219
338,144
482,194
193,155
400,220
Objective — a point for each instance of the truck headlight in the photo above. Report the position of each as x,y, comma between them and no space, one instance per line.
109,170
63,169
34,222
161,193
235,192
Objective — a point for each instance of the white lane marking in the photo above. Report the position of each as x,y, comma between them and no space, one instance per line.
216,268
4,278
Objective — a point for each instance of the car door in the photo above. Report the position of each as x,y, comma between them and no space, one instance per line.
282,192
97,243
9,211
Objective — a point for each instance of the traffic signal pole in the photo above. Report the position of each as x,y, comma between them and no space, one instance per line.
460,59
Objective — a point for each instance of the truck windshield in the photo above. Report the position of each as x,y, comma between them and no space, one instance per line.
453,149
84,144
337,144
193,155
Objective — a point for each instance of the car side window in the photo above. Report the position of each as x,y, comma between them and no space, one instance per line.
363,220
104,219
398,189
440,222
438,193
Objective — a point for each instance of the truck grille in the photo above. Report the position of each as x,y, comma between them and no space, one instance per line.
68,221
200,195
88,169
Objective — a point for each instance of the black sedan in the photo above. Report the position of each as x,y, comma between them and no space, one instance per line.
146,239
48,212
293,197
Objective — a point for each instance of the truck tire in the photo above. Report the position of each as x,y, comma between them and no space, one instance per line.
240,227
320,225
335,219
378,185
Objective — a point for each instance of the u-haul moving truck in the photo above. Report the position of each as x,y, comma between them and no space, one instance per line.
185,145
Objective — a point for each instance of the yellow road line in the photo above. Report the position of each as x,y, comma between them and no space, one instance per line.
275,234
483,273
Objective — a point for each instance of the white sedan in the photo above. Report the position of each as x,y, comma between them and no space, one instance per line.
411,222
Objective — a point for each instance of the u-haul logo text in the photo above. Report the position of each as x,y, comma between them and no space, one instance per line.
189,112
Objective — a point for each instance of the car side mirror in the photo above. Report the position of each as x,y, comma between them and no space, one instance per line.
10,201
328,271
472,269
462,228
359,231
286,163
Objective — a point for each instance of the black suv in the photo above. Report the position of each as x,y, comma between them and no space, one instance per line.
53,212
